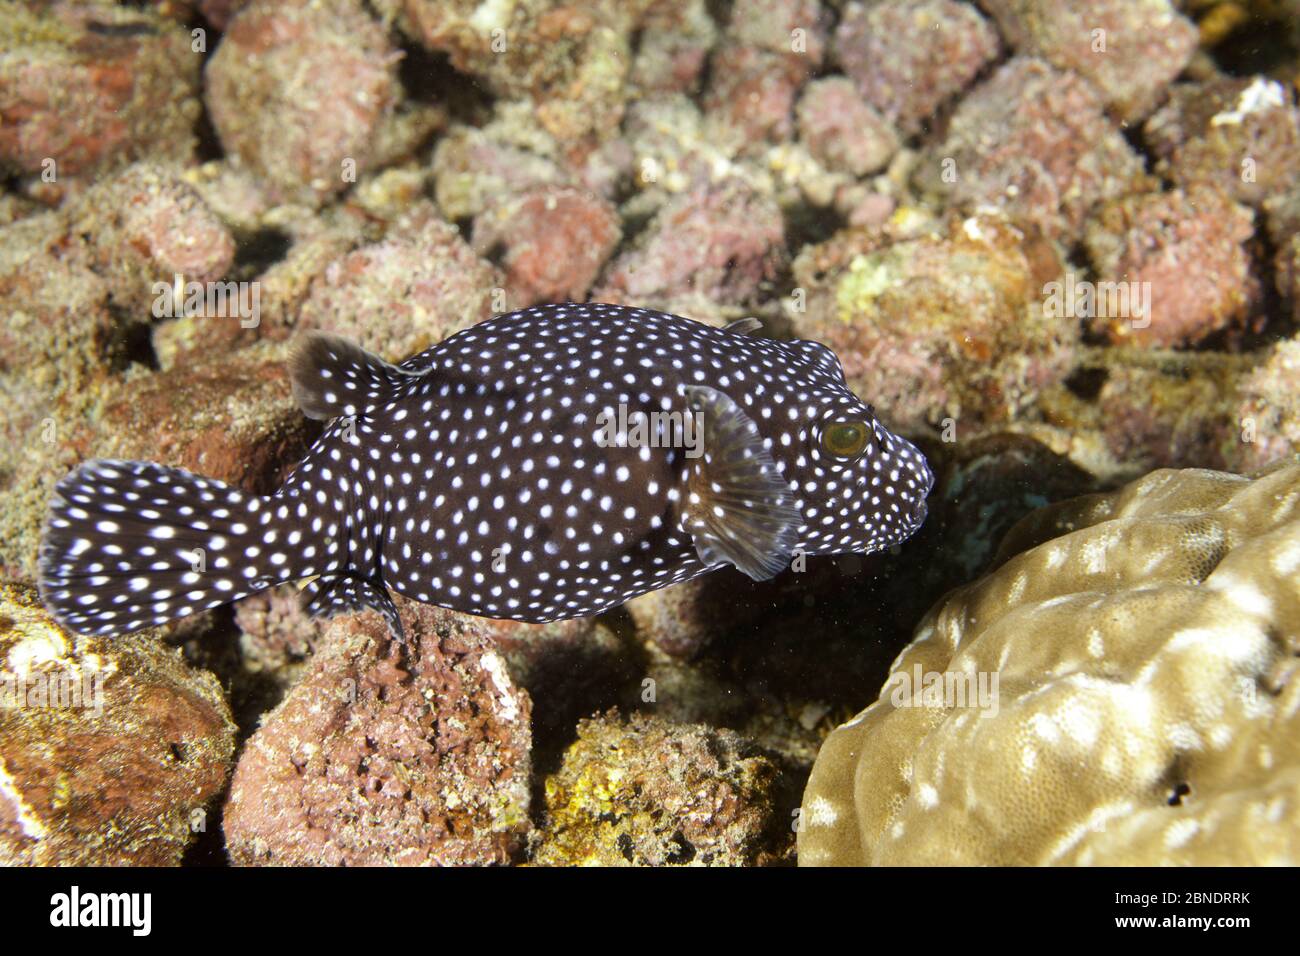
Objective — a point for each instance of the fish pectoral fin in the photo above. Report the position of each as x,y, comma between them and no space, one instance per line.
738,506
332,377
331,594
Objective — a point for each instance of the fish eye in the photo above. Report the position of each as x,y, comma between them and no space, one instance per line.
845,439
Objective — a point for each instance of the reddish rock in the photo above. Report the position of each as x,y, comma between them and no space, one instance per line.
146,226
751,95
569,668
771,49
229,417
649,793
1184,254
1129,50
1153,417
1237,133
1035,143
948,324
1282,217
871,211
797,29
716,243
94,87
385,753
910,57
57,342
473,168
76,289
300,93
1268,416
569,61
842,130
676,619
276,636
553,241
401,295
287,284
674,46
671,149
110,749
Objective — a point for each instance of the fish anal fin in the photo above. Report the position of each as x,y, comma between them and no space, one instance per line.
329,595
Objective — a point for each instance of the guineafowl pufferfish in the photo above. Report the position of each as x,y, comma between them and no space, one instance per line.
547,464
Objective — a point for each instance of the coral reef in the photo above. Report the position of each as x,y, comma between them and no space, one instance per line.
1144,710
1057,244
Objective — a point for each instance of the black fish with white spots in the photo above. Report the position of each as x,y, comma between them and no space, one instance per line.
547,464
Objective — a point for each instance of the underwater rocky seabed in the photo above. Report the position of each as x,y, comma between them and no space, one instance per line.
928,186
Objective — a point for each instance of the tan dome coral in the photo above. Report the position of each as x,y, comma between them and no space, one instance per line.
1139,701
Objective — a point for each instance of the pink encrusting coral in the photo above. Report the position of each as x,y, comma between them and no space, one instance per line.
434,733
405,293
843,130
718,243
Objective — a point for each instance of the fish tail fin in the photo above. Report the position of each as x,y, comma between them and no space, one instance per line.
130,544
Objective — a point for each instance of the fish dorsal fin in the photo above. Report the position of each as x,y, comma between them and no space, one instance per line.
333,376
738,507
743,326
